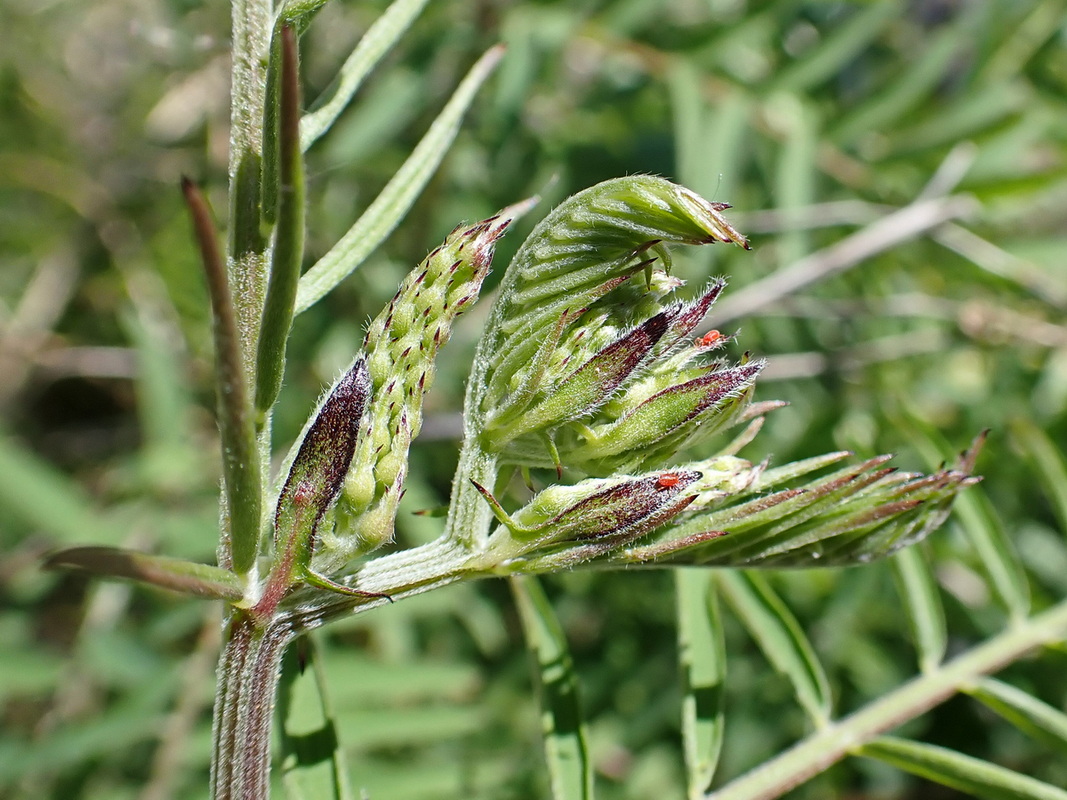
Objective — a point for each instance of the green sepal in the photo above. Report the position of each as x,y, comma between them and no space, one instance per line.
314,481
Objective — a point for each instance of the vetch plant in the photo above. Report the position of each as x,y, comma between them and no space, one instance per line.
591,381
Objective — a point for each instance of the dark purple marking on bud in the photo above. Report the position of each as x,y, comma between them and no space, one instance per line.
630,509
684,318
406,353
615,362
321,464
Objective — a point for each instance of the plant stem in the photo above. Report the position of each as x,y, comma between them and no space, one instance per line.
829,745
249,667
251,20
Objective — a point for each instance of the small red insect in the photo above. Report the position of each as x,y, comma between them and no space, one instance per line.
303,493
709,339
668,479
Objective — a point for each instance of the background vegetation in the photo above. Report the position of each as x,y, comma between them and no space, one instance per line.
901,169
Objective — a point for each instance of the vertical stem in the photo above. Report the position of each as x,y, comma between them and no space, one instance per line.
251,21
249,668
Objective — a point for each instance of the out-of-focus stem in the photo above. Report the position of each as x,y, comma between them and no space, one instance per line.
830,744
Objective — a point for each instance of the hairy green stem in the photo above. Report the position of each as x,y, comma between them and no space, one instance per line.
249,668
832,743
251,20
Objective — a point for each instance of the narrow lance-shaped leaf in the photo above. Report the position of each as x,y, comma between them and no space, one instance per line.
780,637
921,601
1049,463
240,456
373,45
702,658
313,484
288,252
162,572
1032,716
569,767
965,774
396,198
980,525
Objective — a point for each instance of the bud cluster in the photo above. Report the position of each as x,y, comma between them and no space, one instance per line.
636,400
587,363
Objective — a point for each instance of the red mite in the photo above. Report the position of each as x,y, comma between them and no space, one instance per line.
709,339
668,479
303,493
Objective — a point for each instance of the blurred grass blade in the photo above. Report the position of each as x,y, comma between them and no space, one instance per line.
985,533
702,657
1050,466
839,47
163,572
570,770
909,87
41,495
379,39
163,401
957,771
795,174
978,519
312,761
1030,715
780,637
288,252
240,453
398,195
922,603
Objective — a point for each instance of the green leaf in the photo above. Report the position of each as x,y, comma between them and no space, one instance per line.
780,637
918,591
979,521
163,572
702,658
984,531
42,496
288,252
1049,464
1030,715
396,198
569,767
241,457
379,39
312,760
957,771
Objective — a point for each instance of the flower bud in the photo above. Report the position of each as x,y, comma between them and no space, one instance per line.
589,518
401,345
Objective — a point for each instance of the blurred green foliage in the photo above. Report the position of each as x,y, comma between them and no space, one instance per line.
816,120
